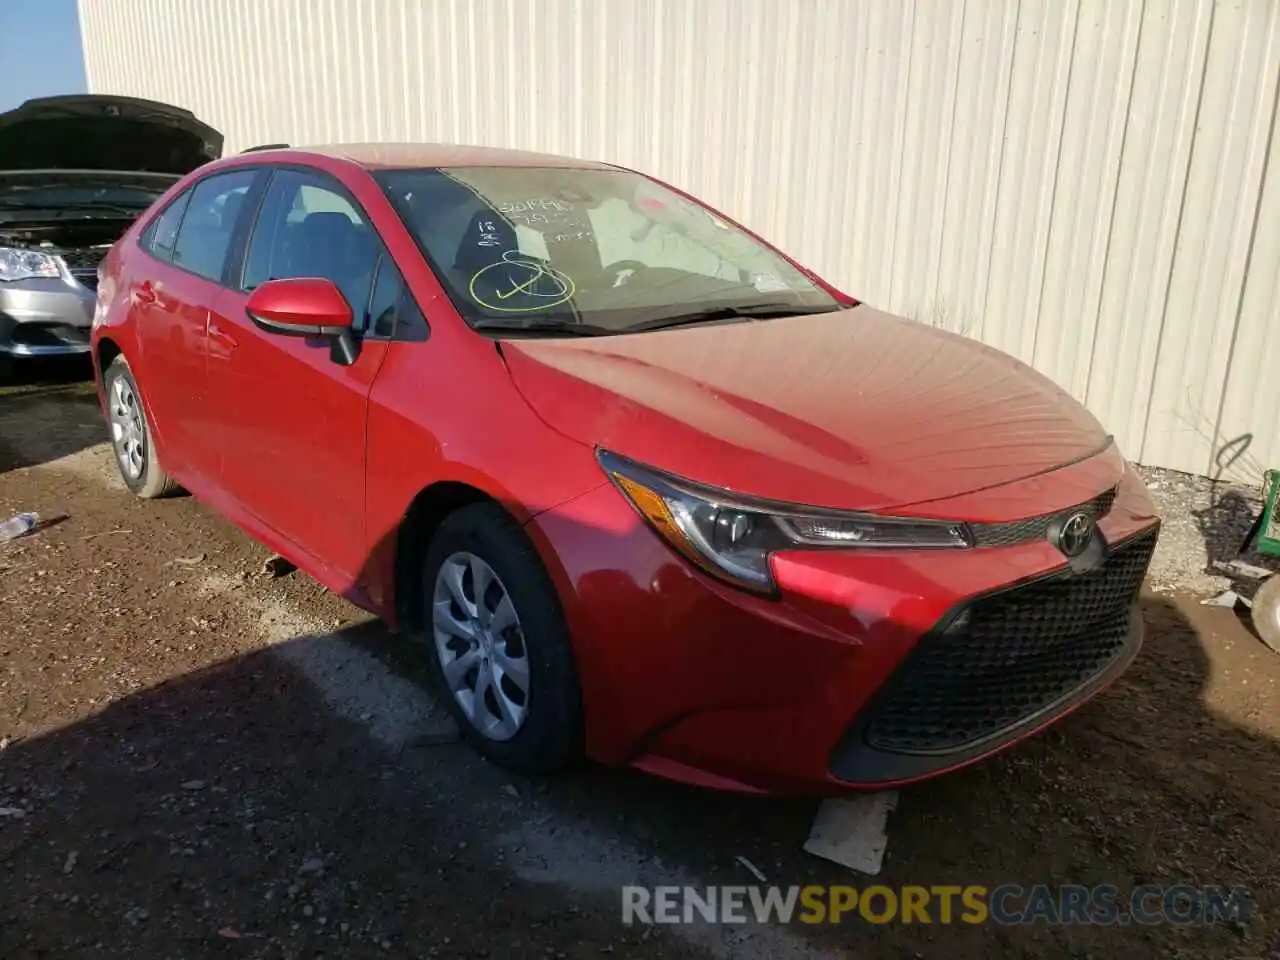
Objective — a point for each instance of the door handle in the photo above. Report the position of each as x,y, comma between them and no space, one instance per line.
221,336
145,293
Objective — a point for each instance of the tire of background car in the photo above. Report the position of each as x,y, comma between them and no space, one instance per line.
7,367
127,418
1266,612
548,736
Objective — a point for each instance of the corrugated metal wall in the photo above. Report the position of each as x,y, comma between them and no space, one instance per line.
1087,184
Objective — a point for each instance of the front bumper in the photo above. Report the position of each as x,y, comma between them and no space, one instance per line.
872,670
1000,667
46,317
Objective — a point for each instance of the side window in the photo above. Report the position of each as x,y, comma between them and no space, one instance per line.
205,235
307,227
164,229
314,199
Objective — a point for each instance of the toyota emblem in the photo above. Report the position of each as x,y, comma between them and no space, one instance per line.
1074,534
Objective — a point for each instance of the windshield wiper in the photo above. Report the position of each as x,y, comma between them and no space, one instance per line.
544,328
753,311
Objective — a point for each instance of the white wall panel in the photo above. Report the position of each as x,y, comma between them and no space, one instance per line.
1090,185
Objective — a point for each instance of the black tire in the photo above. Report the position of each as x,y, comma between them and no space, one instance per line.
1265,613
551,735
8,368
152,482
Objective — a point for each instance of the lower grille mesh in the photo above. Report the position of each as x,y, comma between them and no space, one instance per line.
49,335
1010,656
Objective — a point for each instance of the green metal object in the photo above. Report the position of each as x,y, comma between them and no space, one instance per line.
1265,611
1269,526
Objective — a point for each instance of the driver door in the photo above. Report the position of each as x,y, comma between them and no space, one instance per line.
292,420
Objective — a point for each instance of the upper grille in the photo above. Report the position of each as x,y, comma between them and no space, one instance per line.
1037,528
1010,655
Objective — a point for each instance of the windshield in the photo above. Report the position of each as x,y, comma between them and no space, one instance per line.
588,251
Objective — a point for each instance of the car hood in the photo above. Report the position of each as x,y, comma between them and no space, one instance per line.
855,409
74,207
96,132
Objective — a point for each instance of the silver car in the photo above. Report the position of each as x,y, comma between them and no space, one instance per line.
75,172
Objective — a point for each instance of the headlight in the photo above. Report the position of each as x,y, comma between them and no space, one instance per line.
732,537
26,264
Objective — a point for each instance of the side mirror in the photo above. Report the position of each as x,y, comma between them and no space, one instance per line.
305,307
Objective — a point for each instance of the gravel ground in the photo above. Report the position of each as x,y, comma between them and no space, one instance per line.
1204,526
201,760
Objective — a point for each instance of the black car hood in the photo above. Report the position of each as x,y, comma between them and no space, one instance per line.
95,132
52,205
14,183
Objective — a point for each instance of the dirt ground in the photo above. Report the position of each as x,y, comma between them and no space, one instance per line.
200,760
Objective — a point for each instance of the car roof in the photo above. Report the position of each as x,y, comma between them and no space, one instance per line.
408,155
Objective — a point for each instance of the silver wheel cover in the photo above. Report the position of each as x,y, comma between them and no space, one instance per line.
481,646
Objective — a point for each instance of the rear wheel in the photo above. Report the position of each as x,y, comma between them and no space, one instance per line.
131,434
501,647
1266,612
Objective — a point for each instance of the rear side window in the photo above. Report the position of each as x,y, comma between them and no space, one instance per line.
205,235
308,227
162,234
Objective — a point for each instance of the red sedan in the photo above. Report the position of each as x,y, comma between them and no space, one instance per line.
649,490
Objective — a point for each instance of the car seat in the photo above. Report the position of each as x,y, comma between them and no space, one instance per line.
329,244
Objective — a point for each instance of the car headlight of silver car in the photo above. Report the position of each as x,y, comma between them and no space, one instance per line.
732,537
19,264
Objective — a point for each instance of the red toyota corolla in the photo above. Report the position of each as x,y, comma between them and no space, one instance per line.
648,489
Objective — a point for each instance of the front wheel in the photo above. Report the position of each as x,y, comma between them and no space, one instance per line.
131,434
502,654
1266,612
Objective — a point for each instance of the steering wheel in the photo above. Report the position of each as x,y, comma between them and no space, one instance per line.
618,274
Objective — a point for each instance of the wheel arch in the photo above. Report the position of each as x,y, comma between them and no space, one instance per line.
422,519
104,354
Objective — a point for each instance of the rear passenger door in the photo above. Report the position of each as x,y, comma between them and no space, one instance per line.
291,421
171,293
